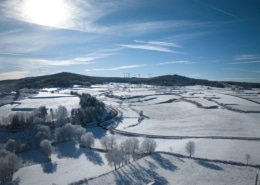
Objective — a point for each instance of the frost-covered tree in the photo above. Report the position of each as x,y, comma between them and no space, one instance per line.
40,112
68,132
87,140
129,148
42,132
62,116
9,164
46,148
190,148
134,147
11,145
148,146
108,142
114,157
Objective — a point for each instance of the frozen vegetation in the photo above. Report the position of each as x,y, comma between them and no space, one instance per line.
131,134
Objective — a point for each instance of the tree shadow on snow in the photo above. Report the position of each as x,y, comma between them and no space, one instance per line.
97,132
33,157
136,174
163,162
93,156
209,165
49,167
67,150
151,165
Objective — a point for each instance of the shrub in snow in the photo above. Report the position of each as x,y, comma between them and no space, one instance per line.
108,142
11,145
148,146
46,148
87,140
190,148
9,163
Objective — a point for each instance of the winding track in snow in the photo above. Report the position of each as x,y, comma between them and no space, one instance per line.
124,133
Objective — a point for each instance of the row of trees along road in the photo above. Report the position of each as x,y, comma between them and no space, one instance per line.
118,155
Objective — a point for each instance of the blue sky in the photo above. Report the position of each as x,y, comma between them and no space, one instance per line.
207,39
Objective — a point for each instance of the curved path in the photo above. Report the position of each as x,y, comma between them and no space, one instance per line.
181,137
124,133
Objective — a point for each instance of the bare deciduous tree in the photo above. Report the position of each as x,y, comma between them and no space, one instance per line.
148,146
114,157
108,142
190,148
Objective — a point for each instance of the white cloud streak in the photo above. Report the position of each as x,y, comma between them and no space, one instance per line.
243,70
160,43
149,47
153,46
117,68
246,59
217,9
177,62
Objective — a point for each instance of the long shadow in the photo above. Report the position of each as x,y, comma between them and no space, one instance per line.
151,165
67,149
93,156
136,174
209,165
163,162
97,132
33,157
49,167
150,174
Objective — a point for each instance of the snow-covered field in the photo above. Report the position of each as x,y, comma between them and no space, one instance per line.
69,164
50,100
167,169
226,114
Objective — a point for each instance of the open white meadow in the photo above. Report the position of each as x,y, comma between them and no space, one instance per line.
232,117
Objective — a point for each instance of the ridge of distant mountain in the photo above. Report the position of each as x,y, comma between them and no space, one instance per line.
66,79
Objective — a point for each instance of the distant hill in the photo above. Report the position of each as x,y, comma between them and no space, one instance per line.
66,79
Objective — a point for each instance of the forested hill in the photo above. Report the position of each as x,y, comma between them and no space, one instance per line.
66,79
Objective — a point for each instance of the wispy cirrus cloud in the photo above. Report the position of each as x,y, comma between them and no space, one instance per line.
217,9
243,70
117,68
30,64
246,59
153,46
159,43
149,47
177,62
85,16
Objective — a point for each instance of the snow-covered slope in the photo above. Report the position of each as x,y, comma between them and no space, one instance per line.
167,169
